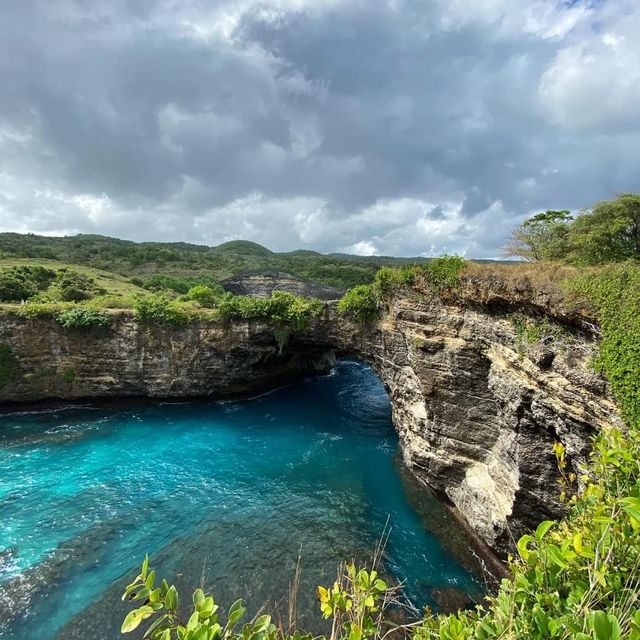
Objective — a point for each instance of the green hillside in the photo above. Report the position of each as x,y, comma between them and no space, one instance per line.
112,283
146,259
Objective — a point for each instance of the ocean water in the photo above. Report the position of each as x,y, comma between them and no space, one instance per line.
228,495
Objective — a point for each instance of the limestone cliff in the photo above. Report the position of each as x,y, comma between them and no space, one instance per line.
476,411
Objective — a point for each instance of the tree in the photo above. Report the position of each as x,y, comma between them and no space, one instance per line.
609,232
545,236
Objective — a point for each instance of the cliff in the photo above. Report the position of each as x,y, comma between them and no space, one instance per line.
477,409
264,284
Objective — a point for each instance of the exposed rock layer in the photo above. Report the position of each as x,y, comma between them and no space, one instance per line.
262,285
477,412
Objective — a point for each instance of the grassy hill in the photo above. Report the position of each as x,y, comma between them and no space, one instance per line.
145,259
112,283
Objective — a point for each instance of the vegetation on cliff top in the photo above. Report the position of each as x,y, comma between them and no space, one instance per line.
158,265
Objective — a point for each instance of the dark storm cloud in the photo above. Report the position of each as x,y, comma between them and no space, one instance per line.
389,127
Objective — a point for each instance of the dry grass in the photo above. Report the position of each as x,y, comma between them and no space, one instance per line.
539,286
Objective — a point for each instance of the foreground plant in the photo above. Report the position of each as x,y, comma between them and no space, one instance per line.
356,603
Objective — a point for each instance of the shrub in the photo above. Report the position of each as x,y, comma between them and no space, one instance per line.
112,301
615,293
83,318
75,287
157,309
42,309
285,311
281,308
23,282
203,295
360,303
443,274
388,280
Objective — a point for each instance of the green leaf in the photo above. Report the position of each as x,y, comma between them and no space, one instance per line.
172,600
198,597
605,626
556,556
154,625
145,567
523,547
193,621
150,580
131,622
134,618
236,613
543,529
380,585
631,507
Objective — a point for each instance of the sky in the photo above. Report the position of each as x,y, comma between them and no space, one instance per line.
392,127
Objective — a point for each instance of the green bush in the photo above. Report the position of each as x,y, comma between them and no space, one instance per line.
360,303
281,309
389,279
286,312
83,318
203,295
22,282
443,274
42,309
615,293
157,309
72,286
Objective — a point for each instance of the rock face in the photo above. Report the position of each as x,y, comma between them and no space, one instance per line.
477,413
263,284
477,417
128,360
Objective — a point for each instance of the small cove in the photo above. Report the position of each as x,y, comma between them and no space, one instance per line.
230,493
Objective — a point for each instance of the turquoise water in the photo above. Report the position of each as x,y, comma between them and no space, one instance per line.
225,493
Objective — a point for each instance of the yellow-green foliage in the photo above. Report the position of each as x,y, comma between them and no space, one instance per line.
356,604
389,279
160,310
443,273
281,309
360,303
43,309
615,293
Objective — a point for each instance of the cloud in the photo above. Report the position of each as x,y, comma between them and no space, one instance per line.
391,127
